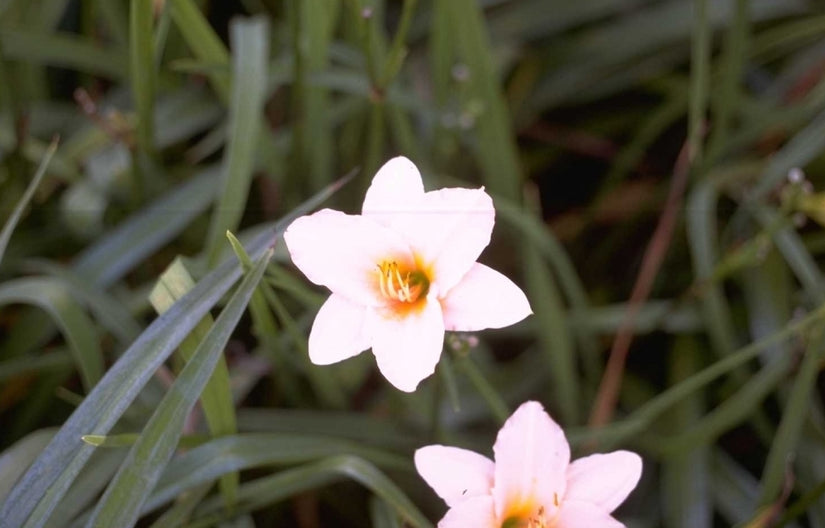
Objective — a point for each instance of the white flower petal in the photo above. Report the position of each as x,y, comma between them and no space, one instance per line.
407,346
483,298
339,331
577,514
448,231
474,513
604,480
531,455
455,474
396,186
342,252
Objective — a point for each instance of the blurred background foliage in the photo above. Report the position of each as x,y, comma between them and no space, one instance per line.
657,172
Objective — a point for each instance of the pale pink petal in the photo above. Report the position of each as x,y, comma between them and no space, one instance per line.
455,474
448,231
604,480
577,514
531,455
483,298
407,347
342,252
396,186
339,331
474,513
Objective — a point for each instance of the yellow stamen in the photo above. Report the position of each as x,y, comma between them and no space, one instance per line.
539,520
400,286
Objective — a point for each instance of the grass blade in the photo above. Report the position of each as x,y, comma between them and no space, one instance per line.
793,418
53,297
699,79
234,453
250,58
202,40
120,504
685,489
287,483
640,419
130,243
142,70
106,309
38,492
496,151
64,50
216,398
12,221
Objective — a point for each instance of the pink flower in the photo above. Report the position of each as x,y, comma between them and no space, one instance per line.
532,483
402,273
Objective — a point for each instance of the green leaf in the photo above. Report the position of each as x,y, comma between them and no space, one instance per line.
685,473
554,337
87,488
726,105
382,515
793,418
282,485
19,456
53,297
250,59
12,221
120,504
702,236
734,410
216,399
642,417
802,148
181,511
790,245
345,425
16,367
142,71
488,392
64,50
202,40
699,79
123,248
496,150
121,440
37,493
234,453
735,489
106,309
312,140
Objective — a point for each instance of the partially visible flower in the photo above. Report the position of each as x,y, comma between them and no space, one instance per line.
532,483
402,273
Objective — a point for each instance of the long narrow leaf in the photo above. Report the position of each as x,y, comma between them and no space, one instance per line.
141,69
127,245
54,298
41,488
290,482
216,398
793,418
120,504
11,223
250,57
234,453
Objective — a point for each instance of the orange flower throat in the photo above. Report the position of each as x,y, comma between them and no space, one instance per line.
401,285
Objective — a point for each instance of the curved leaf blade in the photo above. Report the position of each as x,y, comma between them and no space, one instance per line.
120,504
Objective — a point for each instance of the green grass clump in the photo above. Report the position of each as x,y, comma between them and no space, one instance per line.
657,171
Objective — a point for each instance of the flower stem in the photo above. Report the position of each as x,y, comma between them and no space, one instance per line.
494,401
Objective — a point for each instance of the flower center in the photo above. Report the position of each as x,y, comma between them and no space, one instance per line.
400,285
537,520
